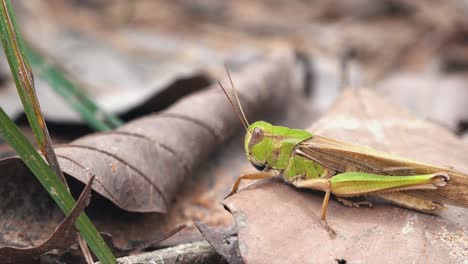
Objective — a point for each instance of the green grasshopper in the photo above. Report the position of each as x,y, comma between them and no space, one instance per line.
320,163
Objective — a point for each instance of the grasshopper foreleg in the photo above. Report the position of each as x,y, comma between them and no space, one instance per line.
249,176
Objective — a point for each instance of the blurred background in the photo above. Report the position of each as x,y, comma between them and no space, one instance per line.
136,57
126,53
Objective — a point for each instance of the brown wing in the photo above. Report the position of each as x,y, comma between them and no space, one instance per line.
345,157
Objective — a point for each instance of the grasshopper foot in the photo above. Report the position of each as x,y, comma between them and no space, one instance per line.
331,232
250,176
230,193
350,203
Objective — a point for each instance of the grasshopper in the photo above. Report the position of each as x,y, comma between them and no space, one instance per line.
316,162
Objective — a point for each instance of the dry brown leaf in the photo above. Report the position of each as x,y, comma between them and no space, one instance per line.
140,165
262,87
63,237
225,243
278,222
25,207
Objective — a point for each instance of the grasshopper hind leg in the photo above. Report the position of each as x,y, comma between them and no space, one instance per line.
412,202
323,220
357,183
323,184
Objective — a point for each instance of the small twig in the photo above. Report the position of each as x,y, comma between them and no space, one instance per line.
85,250
151,243
193,253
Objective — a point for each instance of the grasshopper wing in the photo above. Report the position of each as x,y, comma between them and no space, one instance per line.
345,157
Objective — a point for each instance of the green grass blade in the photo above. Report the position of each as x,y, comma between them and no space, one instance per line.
54,186
50,177
96,117
22,74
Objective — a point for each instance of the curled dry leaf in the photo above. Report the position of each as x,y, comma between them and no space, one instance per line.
277,222
192,128
63,237
140,165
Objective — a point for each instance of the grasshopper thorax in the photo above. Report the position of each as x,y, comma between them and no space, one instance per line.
268,146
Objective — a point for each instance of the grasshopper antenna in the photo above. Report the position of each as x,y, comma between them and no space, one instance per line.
235,109
235,94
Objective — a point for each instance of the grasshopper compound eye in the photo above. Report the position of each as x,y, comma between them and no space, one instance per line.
258,132
257,136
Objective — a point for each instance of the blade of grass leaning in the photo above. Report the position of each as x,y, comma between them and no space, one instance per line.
22,74
54,186
90,112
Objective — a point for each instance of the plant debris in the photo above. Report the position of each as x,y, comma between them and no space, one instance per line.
225,244
63,237
140,166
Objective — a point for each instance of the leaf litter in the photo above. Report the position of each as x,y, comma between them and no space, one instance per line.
140,166
368,39
62,238
225,243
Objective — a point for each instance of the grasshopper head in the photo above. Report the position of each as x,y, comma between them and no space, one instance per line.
256,143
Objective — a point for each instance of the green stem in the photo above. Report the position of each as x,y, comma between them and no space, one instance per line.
22,74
